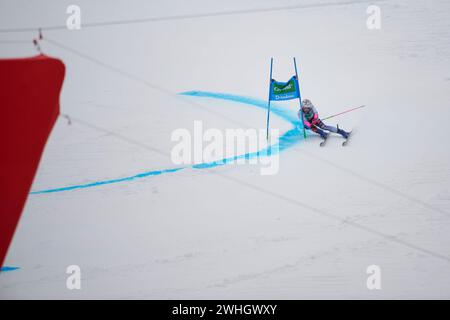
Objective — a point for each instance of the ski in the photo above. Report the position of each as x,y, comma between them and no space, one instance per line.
346,140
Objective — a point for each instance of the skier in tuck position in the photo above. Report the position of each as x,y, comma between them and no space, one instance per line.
312,122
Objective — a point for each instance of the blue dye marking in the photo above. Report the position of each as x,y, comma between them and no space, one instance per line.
281,112
288,139
99,183
5,269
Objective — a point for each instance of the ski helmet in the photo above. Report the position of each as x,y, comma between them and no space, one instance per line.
306,104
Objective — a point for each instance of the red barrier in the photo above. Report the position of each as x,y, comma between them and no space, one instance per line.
29,107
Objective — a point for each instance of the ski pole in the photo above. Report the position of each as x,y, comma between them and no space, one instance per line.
337,114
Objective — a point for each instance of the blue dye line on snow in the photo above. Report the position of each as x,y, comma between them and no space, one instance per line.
281,112
99,183
288,139
5,269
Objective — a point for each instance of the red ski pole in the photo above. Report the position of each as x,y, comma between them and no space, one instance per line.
337,114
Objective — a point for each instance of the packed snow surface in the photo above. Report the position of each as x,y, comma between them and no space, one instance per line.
108,197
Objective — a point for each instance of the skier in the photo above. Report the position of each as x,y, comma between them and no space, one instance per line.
312,122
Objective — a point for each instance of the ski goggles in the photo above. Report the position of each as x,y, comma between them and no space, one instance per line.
306,109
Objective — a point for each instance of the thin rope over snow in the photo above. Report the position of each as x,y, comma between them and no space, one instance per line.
189,16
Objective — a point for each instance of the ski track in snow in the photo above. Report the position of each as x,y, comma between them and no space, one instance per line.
286,140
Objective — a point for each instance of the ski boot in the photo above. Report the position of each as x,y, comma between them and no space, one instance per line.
322,133
342,132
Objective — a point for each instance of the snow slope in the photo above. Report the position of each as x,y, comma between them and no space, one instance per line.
227,232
